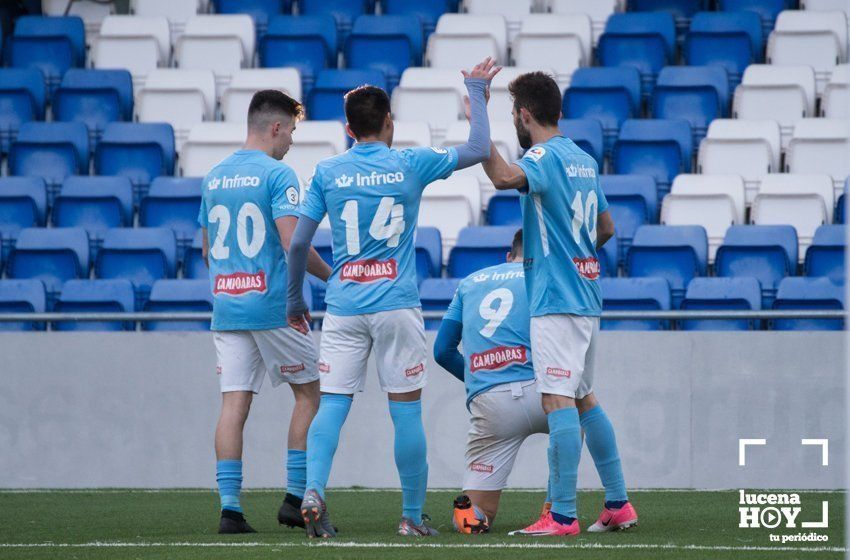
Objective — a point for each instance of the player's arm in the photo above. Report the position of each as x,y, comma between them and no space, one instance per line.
297,314
477,81
604,228
445,347
504,175
316,265
205,247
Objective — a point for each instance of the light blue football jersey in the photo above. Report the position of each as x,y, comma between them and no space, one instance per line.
559,217
493,307
371,195
242,197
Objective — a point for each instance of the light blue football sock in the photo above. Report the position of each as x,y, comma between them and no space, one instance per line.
565,445
602,445
323,438
296,472
228,474
410,456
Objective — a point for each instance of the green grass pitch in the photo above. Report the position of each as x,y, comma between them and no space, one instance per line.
181,524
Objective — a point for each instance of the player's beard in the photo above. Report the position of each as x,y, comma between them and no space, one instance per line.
522,133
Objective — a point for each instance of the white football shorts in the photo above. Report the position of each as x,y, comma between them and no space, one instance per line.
563,348
398,338
244,357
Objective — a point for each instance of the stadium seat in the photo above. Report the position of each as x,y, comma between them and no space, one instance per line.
827,6
208,144
133,43
721,294
825,257
643,40
51,255
173,203
22,99
50,44
23,204
176,296
221,43
747,148
261,11
431,95
51,151
698,94
411,134
22,296
784,94
808,293
598,10
326,97
91,12
94,204
633,202
194,266
610,95
141,255
313,142
502,134
731,40
95,296
307,43
450,205
558,42
435,295
478,247
659,148
816,39
676,253
178,12
835,102
500,105
803,201
682,10
514,12
588,135
344,12
181,98
766,253
766,9
634,294
94,98
245,83
503,209
137,151
464,40
821,146
428,11
323,244
387,44
429,253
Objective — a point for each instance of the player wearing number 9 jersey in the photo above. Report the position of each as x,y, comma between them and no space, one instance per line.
371,196
565,222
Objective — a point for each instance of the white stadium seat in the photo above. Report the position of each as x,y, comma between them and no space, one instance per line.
561,43
93,13
312,142
431,95
821,146
512,10
828,6
803,201
138,44
209,143
784,94
181,98
177,12
836,96
245,83
500,104
450,205
411,134
464,40
747,148
597,10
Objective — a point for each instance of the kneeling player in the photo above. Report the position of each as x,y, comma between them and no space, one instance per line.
489,313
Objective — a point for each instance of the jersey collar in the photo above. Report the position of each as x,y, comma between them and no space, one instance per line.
365,148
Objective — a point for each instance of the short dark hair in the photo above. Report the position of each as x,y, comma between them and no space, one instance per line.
516,244
539,93
268,103
365,110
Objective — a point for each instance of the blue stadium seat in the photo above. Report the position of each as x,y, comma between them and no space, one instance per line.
50,44
732,41
323,244
682,10
633,202
94,98
478,247
95,296
23,204
22,99
716,294
659,148
587,134
260,10
22,296
344,12
307,42
194,266
95,204
50,255
609,258
52,151
766,9
138,151
634,294
173,203
504,209
436,294
388,44
609,95
808,293
429,253
841,205
825,257
326,97
175,296
676,253
643,40
141,255
428,11
697,94
766,253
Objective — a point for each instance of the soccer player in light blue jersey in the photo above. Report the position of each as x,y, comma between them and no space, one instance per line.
489,316
565,221
248,214
371,195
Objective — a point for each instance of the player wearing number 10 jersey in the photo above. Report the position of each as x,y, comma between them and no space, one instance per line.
371,196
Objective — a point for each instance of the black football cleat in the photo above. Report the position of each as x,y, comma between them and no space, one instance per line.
289,513
233,523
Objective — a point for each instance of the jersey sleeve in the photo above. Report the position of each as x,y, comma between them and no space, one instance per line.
532,166
431,164
313,202
286,194
455,309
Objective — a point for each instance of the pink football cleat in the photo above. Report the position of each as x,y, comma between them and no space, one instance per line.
548,527
615,519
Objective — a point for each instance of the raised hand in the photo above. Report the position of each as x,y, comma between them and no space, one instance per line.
485,70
